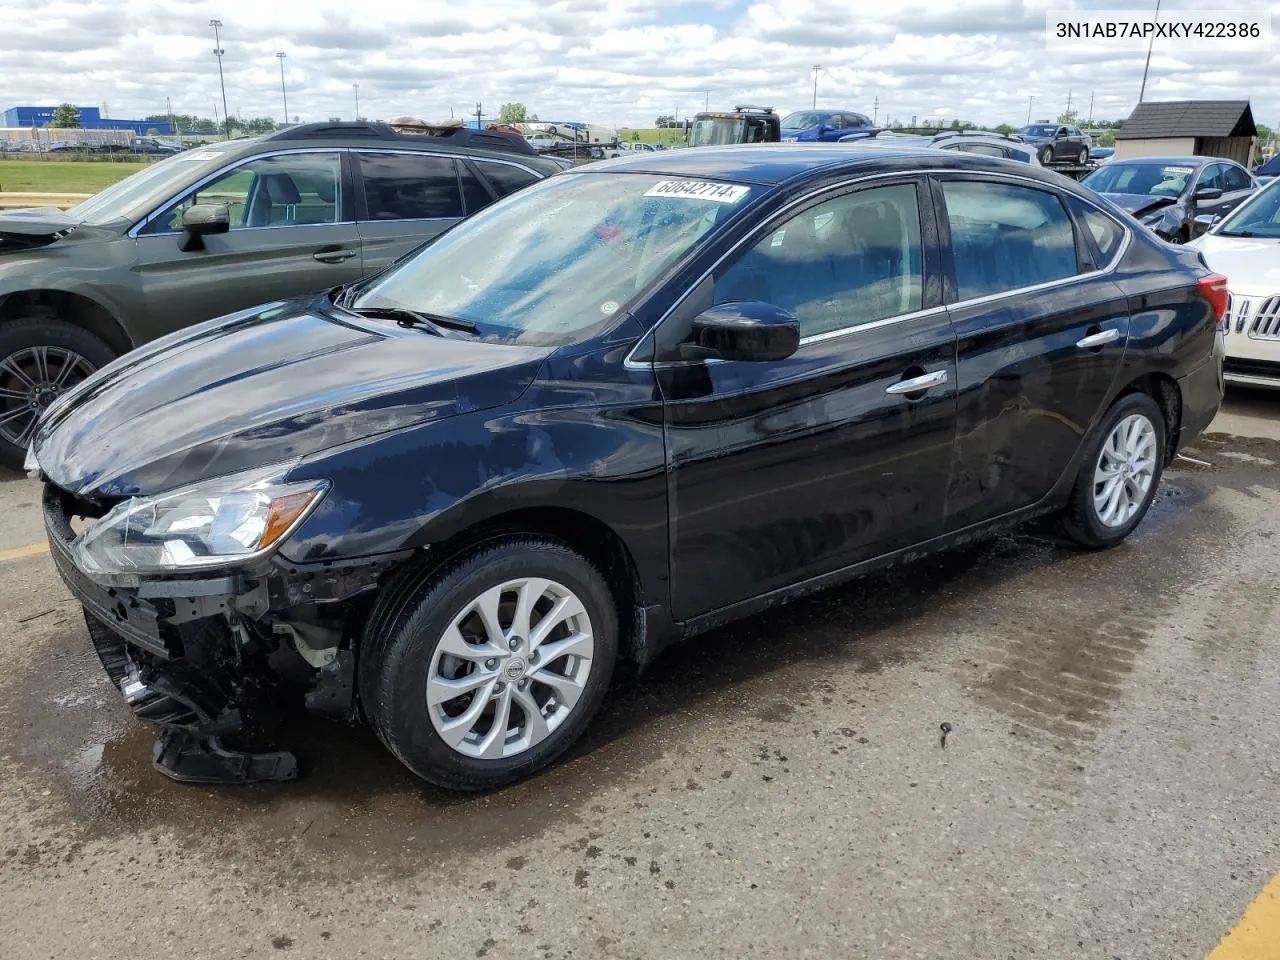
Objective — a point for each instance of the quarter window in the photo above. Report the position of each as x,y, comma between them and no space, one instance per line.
280,191
1006,237
847,261
409,186
506,178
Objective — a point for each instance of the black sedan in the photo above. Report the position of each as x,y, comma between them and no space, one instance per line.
1166,194
621,407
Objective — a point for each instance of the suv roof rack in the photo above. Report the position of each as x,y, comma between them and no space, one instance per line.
456,136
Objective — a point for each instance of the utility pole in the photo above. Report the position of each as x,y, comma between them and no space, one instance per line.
875,110
356,87
478,115
817,68
1142,92
218,52
1030,100
1069,101
168,106
283,92
1090,121
706,103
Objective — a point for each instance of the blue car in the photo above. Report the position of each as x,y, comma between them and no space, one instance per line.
1269,170
825,126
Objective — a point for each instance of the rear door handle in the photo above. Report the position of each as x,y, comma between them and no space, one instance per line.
333,256
1099,339
916,384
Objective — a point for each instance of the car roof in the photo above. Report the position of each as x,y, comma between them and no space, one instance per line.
1180,161
776,164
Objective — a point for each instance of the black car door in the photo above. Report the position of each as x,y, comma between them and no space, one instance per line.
1041,333
1212,177
779,471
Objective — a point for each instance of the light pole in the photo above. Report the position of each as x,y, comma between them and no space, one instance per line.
1030,100
817,67
1147,67
706,102
283,92
356,88
168,105
218,52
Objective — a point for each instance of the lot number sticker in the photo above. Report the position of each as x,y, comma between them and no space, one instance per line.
698,190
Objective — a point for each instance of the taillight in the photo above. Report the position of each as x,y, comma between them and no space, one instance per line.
1214,289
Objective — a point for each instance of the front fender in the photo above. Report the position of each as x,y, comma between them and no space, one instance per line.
425,485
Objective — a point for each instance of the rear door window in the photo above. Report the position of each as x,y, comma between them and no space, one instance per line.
1005,237
1236,178
508,178
1213,177
474,193
410,186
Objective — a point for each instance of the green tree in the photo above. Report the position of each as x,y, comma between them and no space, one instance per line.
635,136
203,125
1069,118
665,120
513,113
1107,139
66,117
1005,129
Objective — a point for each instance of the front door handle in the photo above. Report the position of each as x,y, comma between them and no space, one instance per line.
1099,339
916,384
333,256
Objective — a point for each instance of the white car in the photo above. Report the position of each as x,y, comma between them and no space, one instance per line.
1244,247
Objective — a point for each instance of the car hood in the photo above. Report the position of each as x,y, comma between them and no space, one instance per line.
33,227
1251,265
261,387
1139,203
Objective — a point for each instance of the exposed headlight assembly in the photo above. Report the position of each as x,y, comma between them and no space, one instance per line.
215,523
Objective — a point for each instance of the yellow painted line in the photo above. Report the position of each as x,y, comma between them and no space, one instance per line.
30,550
1257,935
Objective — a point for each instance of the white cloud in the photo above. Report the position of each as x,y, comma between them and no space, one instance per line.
610,61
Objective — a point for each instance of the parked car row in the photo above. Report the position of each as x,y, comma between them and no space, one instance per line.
453,487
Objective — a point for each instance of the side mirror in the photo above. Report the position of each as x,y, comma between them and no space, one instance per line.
202,220
750,330
827,128
1207,193
1203,222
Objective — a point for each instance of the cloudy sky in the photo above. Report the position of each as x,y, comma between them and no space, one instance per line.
619,62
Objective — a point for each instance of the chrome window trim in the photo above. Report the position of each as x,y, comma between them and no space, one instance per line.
630,364
137,228
227,168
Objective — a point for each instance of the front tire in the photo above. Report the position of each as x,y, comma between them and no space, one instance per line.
1119,475
40,359
1046,156
492,667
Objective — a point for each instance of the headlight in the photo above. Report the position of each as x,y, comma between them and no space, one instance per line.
210,524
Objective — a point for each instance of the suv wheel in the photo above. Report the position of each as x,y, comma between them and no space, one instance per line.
494,666
1084,156
39,360
1120,474
1046,156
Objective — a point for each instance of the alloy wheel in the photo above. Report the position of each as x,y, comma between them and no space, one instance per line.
30,380
510,668
1125,470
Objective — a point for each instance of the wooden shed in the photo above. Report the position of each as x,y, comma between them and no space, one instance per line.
1206,128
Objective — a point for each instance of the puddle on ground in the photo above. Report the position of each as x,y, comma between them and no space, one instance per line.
355,802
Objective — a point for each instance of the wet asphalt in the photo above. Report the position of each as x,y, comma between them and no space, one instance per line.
1109,787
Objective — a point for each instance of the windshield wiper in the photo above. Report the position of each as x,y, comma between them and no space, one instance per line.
1246,234
430,321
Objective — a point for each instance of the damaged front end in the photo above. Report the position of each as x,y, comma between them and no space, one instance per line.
205,657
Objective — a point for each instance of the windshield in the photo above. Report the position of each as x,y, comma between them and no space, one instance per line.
158,180
802,121
561,258
1144,179
1039,130
1259,216
710,132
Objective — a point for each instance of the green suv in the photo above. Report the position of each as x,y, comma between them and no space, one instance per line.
221,228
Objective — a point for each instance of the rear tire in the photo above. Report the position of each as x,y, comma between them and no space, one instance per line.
1046,156
455,656
34,357
1119,475
1084,156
